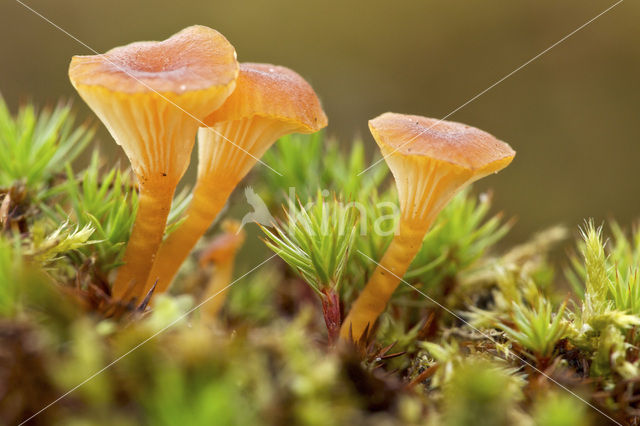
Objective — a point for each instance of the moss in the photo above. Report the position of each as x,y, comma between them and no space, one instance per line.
486,340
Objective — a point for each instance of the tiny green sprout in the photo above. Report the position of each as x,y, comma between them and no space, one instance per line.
106,201
316,241
624,251
35,146
47,248
536,329
611,295
625,291
595,263
611,278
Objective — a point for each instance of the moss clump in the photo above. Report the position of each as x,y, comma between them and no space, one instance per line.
476,334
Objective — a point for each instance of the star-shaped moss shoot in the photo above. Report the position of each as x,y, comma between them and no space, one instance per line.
431,161
269,102
152,96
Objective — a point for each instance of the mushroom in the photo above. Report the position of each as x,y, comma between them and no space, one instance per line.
269,102
222,253
431,160
152,96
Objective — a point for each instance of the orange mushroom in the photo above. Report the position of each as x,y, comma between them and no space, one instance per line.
269,102
151,96
438,160
222,253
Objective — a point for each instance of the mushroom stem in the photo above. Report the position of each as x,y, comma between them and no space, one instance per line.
221,165
153,208
216,292
423,190
221,252
203,209
385,279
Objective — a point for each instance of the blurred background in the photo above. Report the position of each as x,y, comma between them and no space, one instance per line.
573,115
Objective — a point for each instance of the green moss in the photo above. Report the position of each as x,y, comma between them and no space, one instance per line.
499,326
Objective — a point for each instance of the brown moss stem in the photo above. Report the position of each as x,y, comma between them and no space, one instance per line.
332,314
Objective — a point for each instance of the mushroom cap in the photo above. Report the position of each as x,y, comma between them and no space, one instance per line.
152,96
195,58
467,148
273,92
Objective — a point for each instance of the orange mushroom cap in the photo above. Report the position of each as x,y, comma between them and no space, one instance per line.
269,102
195,58
431,159
272,92
144,93
458,144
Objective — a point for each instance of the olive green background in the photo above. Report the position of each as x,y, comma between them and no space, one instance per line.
572,115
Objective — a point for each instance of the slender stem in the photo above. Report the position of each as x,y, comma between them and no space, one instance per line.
153,208
216,292
385,279
208,200
332,315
